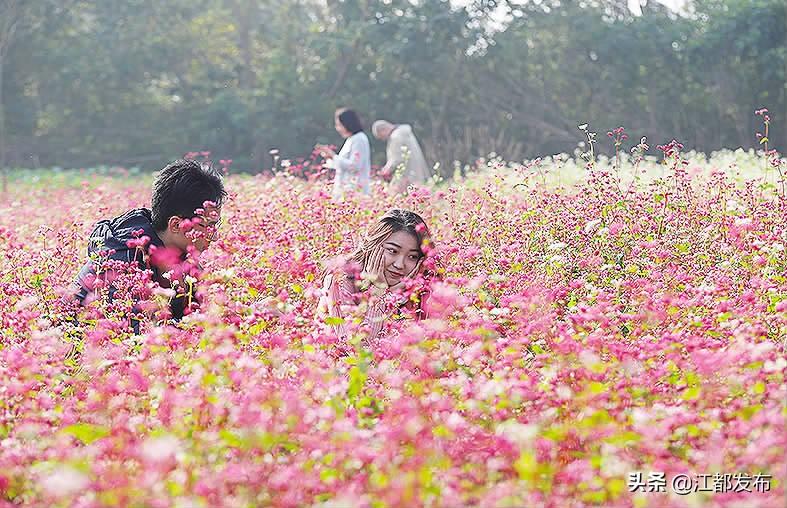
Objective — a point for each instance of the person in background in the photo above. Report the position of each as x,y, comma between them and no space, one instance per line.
376,274
404,157
183,219
353,162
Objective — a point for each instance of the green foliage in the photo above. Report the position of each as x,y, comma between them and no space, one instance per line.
137,83
86,432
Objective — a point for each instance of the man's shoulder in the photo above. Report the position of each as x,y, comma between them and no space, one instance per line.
134,224
119,234
402,131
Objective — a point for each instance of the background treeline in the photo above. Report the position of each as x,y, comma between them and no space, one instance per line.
138,82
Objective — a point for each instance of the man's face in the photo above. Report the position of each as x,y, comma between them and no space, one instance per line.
199,231
383,133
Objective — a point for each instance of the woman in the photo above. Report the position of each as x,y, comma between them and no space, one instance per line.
390,260
353,162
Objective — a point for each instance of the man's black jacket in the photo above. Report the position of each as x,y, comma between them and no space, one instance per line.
113,235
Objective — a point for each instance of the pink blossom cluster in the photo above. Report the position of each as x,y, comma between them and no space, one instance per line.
575,336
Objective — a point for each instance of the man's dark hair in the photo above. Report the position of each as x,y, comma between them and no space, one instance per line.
350,120
183,186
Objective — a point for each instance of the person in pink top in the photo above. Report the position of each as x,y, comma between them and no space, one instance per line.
384,278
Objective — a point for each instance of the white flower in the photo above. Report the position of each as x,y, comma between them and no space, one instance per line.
611,464
226,274
640,416
589,360
165,292
491,388
743,221
341,502
557,246
455,421
775,366
592,225
159,449
519,433
64,481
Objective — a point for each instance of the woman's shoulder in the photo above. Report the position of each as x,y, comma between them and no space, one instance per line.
360,137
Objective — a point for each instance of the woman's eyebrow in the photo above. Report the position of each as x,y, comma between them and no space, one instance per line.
394,244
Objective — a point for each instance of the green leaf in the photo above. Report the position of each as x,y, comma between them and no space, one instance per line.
595,496
328,475
230,438
425,476
596,387
526,465
692,393
615,486
749,411
378,479
174,488
209,379
334,321
357,381
442,431
86,432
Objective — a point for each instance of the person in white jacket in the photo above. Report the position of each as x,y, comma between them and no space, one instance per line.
353,162
404,157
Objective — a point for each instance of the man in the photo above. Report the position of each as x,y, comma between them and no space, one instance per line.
184,215
404,156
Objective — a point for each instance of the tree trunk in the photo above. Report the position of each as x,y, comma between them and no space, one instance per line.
438,120
5,39
2,112
243,18
344,67
9,19
2,130
783,102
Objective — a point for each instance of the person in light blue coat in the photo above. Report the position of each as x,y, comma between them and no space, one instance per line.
353,162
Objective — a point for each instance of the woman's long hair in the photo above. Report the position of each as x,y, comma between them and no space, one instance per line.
367,255
350,119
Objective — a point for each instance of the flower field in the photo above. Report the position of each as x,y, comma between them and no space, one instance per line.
585,327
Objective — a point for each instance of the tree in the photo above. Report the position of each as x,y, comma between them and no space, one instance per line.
139,83
11,12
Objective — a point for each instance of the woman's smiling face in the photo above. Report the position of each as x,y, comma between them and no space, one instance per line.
401,254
